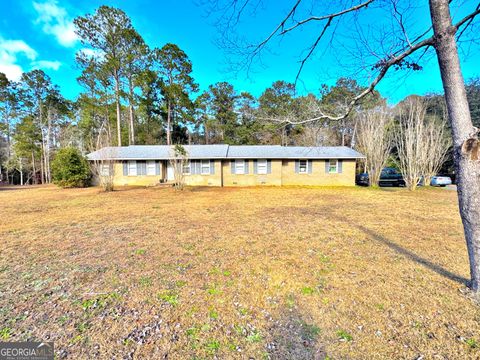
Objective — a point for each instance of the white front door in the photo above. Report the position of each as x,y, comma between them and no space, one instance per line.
170,174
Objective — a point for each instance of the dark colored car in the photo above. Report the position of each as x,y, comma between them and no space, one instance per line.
388,177
391,177
362,179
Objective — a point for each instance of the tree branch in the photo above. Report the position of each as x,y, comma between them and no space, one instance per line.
468,17
312,49
329,17
387,64
280,26
468,20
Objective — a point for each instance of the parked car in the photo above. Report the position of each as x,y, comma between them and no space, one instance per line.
388,177
391,177
362,179
440,180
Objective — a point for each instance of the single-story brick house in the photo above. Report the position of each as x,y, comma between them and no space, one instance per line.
228,165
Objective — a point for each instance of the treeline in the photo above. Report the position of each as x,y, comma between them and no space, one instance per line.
134,94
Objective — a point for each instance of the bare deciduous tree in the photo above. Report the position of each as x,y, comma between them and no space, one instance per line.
438,144
179,161
374,140
318,134
411,141
421,142
104,167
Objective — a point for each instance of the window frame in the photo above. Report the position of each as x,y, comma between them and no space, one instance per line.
300,166
237,163
129,168
105,169
330,166
264,165
150,162
202,166
187,165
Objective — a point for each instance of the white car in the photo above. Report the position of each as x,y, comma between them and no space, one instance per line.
441,181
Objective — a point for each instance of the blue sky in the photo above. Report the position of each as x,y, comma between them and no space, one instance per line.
39,34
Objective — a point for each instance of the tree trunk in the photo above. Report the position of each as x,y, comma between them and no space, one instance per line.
169,112
33,169
117,103
42,168
107,124
206,132
467,170
42,157
48,145
21,172
352,141
131,114
9,141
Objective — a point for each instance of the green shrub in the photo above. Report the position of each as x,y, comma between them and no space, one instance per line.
70,168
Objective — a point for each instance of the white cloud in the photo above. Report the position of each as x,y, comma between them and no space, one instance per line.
10,50
56,21
13,53
12,71
46,64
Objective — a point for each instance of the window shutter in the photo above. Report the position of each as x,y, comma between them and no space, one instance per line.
157,167
246,166
232,166
269,166
255,171
327,165
297,166
310,166
198,167
340,163
125,168
212,167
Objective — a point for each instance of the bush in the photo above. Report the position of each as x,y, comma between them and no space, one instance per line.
70,168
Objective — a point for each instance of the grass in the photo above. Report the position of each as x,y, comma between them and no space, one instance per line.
280,273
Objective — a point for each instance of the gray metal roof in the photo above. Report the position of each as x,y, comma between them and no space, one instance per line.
158,152
164,152
291,152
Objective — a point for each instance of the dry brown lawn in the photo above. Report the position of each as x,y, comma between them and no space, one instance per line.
280,273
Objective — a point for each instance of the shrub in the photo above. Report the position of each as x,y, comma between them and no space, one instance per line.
70,168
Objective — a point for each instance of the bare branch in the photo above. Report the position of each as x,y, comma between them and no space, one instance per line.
312,49
468,18
280,26
329,17
467,22
385,66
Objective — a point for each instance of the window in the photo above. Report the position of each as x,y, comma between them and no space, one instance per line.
261,167
205,170
303,167
151,168
239,166
186,168
132,168
105,170
333,166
